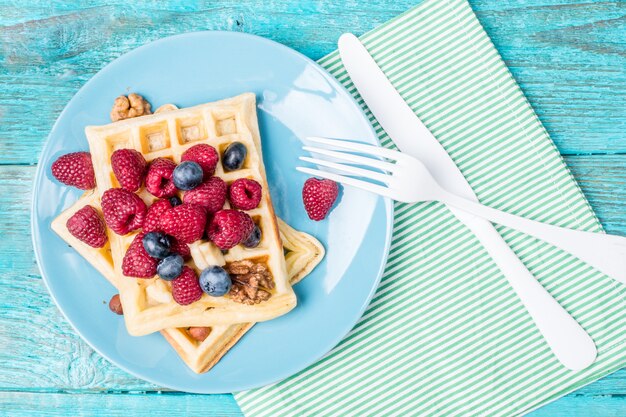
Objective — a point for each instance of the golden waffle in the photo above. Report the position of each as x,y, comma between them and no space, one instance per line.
302,253
148,304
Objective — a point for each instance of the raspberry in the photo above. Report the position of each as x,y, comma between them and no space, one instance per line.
153,216
123,211
129,167
180,248
75,169
205,155
245,194
137,263
159,178
318,197
211,195
87,226
185,288
152,224
185,222
229,227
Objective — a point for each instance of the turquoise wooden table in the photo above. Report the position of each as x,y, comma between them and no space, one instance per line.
568,56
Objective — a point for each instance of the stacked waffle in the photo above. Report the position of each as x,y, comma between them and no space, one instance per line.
286,254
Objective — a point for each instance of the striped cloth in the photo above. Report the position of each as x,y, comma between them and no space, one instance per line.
445,334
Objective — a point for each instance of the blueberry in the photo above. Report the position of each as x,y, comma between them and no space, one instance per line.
157,244
254,239
215,281
234,156
170,267
187,175
175,201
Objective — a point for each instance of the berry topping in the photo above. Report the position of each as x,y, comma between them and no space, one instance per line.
157,244
185,288
215,281
115,305
170,267
234,156
185,222
123,211
245,194
129,167
211,195
205,155
199,333
153,216
229,227
180,248
159,178
75,169
87,226
318,197
254,239
137,263
187,175
175,201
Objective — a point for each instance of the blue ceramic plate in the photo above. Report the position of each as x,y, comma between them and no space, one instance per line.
296,98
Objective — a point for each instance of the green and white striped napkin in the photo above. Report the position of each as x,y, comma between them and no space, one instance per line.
445,334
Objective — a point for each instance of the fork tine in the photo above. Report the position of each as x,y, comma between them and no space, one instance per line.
349,169
355,159
364,185
356,147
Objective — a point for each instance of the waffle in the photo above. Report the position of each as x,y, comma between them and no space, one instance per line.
148,304
302,253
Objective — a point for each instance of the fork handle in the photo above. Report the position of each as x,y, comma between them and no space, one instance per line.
606,253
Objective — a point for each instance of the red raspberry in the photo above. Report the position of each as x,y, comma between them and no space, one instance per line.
123,211
87,226
186,288
318,197
75,169
185,222
229,227
137,263
159,178
205,155
180,248
129,167
211,195
245,194
153,216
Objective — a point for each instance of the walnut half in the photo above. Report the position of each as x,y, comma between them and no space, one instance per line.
251,282
127,107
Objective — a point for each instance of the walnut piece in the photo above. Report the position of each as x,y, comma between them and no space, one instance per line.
199,333
127,107
240,267
115,304
251,282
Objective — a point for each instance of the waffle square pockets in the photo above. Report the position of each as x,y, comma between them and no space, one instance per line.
302,254
148,304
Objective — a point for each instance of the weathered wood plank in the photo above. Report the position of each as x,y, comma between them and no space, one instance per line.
569,58
18,404
39,350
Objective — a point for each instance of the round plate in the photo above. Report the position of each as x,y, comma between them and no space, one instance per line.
296,98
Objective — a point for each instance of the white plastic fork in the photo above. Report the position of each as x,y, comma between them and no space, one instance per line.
404,178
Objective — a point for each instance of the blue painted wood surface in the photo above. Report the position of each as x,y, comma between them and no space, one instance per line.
569,57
